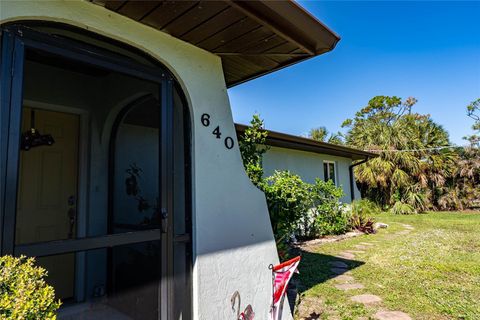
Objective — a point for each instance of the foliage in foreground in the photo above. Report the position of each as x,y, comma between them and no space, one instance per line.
24,293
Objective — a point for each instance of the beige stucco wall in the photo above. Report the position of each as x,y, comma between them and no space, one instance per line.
309,166
233,241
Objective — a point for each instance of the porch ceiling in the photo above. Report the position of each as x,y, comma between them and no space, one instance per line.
253,38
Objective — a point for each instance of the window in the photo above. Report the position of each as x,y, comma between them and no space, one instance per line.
329,171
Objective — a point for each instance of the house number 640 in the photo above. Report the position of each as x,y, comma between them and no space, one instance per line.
228,141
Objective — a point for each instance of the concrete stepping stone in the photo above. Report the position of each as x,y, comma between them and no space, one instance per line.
367,243
344,278
355,251
346,255
338,264
366,299
391,315
349,286
338,270
361,247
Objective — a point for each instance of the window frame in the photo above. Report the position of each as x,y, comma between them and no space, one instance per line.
329,163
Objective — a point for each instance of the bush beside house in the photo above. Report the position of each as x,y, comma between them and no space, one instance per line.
24,294
297,208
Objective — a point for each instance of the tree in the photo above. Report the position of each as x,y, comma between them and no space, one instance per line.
252,147
318,134
473,111
322,134
413,164
463,190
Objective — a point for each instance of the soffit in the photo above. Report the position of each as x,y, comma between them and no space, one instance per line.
252,38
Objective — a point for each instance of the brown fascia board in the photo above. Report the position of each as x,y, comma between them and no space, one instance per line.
283,140
292,22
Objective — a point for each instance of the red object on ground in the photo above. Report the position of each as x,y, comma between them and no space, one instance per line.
281,275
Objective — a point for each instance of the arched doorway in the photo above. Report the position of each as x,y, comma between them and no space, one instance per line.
112,227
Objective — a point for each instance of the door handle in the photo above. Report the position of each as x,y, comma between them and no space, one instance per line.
164,216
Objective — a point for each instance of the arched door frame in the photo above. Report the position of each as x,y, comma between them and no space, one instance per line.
16,38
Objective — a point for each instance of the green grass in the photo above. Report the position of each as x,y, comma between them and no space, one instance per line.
431,273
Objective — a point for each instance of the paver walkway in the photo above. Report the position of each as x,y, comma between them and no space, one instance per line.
348,282
366,243
349,286
344,278
366,299
391,315
346,255
355,251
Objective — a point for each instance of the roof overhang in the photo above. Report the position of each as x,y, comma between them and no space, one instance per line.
283,140
253,38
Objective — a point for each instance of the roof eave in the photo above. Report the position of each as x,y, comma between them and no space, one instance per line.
283,140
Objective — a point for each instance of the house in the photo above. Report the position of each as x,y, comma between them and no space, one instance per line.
119,164
311,159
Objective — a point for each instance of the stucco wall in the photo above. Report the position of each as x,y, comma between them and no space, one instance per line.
233,241
309,166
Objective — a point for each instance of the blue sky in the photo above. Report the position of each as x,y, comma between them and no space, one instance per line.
428,50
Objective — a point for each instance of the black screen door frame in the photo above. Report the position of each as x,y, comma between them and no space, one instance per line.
15,40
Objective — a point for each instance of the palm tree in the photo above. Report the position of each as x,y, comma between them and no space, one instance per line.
322,134
411,165
318,134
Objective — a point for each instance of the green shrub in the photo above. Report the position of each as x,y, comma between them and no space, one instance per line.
329,216
24,293
365,208
306,210
360,215
402,208
295,207
331,223
288,199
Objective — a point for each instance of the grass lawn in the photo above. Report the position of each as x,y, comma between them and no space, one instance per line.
433,272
